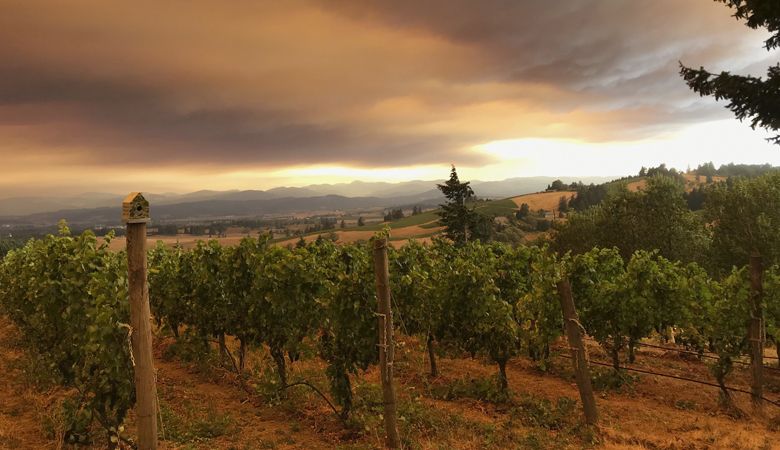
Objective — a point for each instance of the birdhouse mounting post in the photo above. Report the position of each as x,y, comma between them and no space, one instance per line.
135,213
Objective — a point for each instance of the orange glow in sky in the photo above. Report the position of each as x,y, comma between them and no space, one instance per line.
162,97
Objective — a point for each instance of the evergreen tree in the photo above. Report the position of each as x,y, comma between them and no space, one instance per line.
588,196
394,214
749,97
361,221
525,210
556,185
706,169
563,204
695,198
455,214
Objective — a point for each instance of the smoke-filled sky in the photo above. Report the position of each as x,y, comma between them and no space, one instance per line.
179,96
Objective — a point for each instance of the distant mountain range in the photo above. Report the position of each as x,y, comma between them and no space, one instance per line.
104,208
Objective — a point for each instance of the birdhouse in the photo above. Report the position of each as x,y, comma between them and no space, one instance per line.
135,209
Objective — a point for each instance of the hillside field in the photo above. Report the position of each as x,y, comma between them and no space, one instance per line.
691,181
542,200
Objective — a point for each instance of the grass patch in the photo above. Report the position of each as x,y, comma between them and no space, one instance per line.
685,405
497,207
543,413
605,379
418,421
430,225
484,389
192,349
265,382
190,424
430,219
409,221
37,372
53,422
553,424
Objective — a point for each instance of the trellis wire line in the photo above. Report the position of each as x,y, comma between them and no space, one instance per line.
691,380
703,354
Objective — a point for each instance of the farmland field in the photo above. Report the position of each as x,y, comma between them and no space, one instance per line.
398,233
541,200
421,227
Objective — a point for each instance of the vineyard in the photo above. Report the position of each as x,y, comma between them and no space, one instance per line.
316,302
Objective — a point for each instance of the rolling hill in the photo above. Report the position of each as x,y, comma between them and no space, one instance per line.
103,209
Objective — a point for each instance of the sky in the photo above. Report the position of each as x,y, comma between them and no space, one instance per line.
178,96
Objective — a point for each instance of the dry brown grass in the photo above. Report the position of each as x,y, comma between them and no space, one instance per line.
690,182
29,414
207,409
541,200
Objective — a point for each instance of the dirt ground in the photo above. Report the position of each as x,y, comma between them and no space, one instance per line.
205,406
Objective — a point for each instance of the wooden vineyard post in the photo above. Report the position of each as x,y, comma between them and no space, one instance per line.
386,344
574,336
755,328
135,213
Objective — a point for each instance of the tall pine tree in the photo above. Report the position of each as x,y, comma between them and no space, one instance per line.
749,97
455,214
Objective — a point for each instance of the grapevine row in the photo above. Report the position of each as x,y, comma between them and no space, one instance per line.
67,294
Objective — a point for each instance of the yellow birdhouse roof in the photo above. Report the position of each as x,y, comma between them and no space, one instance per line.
133,197
135,208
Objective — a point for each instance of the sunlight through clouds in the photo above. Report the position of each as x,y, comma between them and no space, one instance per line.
721,142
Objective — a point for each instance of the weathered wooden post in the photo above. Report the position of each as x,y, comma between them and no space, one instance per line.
135,213
386,344
574,336
755,330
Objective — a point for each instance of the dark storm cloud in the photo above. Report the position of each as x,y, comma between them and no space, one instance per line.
218,84
140,124
586,45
